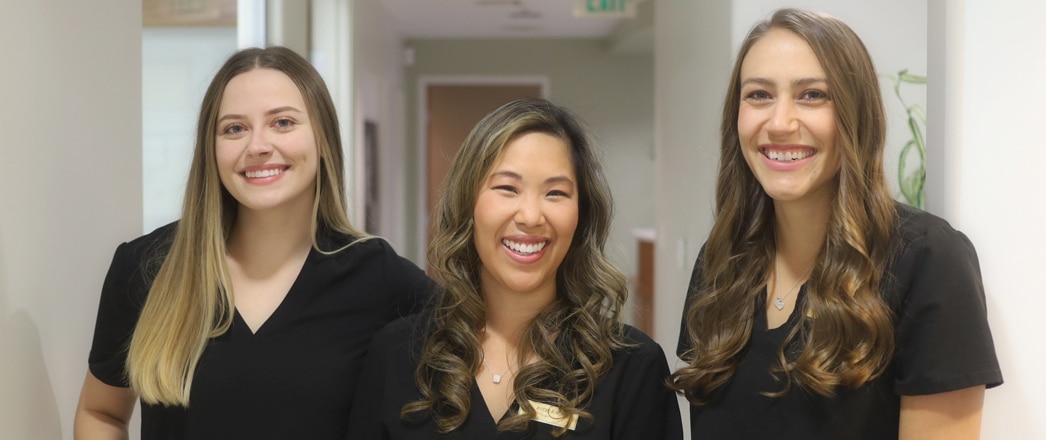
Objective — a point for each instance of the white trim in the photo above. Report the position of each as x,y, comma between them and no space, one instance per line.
250,23
331,54
424,81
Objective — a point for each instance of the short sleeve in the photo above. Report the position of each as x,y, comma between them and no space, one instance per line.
118,309
943,339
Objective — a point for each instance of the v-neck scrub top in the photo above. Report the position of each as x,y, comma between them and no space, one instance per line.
296,376
943,343
631,402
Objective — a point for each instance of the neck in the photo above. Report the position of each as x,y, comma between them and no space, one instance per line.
270,236
509,313
800,229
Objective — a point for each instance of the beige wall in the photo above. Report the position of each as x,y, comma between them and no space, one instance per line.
613,93
71,191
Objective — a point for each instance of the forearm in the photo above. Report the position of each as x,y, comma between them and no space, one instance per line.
104,411
954,415
90,425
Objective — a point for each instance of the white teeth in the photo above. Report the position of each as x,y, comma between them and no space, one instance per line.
525,249
262,173
788,156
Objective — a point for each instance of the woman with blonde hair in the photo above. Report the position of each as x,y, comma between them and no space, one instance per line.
820,308
249,317
524,339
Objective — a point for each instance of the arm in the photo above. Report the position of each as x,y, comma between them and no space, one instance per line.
952,415
103,412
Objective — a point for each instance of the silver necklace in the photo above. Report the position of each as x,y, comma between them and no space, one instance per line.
779,301
494,376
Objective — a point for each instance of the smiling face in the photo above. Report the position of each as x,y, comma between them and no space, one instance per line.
786,121
525,216
265,146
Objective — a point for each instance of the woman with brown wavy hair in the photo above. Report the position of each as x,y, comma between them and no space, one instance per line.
819,308
250,316
524,340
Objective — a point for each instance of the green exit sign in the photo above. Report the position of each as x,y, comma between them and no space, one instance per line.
605,8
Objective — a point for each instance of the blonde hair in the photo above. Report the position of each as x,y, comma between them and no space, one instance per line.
845,336
191,299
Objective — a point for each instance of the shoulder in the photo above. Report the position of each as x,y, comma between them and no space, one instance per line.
915,224
927,242
401,337
366,251
156,243
144,254
641,346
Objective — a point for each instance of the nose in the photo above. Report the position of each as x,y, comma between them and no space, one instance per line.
258,145
529,212
784,119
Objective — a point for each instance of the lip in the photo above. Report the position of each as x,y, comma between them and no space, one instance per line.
529,240
804,154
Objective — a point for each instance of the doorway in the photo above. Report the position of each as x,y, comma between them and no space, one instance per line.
450,107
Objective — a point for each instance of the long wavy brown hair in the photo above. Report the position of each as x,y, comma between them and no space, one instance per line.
191,298
844,337
573,338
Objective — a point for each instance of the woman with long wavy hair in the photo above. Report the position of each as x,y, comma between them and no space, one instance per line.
250,316
819,308
524,340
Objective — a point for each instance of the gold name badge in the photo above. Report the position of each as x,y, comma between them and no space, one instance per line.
551,415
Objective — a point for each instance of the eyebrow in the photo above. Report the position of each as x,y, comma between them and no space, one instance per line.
274,111
795,83
517,176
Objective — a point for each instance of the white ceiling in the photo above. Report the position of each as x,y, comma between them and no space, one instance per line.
495,19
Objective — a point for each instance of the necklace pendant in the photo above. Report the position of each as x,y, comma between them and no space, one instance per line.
497,378
779,303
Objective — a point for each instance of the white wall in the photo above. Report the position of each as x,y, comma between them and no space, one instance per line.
71,93
380,97
692,59
995,190
177,65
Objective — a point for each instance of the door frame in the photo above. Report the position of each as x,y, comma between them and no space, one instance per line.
421,133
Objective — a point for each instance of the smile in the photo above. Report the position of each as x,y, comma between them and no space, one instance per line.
523,248
263,173
787,156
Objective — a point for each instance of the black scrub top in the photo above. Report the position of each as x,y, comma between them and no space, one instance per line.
293,378
942,339
631,402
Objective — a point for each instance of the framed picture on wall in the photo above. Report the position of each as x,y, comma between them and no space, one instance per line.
372,205
160,13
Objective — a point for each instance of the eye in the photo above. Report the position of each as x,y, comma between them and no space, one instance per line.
284,123
233,129
558,193
814,95
505,188
757,96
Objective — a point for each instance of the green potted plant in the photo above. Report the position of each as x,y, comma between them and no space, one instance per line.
912,177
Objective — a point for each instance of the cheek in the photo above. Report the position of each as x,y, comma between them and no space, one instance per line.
485,216
747,125
566,222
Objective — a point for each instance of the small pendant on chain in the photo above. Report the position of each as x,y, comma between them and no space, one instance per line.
497,378
779,303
